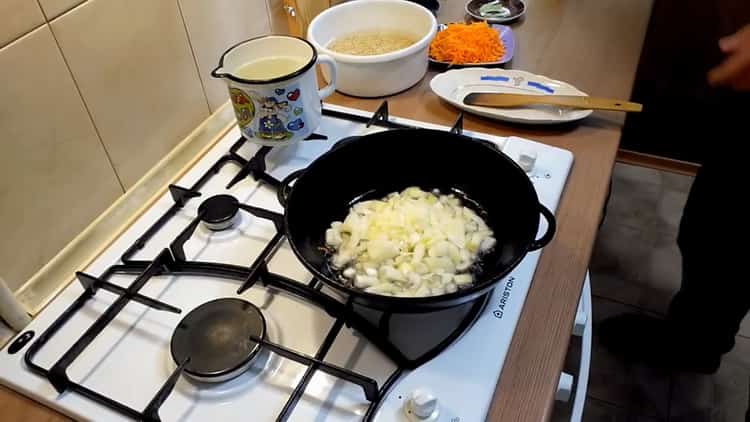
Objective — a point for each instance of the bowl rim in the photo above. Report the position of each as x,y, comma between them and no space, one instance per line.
422,43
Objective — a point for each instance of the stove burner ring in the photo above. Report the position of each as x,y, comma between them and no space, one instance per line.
219,212
216,338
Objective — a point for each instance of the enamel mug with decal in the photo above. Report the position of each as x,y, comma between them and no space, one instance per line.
273,87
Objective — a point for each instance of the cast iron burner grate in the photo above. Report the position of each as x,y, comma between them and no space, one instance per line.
220,211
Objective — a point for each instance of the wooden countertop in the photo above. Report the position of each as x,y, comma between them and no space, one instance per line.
595,45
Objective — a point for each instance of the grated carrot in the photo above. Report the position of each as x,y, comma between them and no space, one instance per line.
467,43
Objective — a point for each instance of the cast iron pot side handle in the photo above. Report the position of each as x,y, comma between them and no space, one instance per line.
551,227
285,189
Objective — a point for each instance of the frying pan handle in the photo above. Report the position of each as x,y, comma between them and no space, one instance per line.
551,227
285,188
344,141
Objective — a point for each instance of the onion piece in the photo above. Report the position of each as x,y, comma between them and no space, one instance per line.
409,244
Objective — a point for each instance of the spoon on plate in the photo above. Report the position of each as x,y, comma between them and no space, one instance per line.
501,100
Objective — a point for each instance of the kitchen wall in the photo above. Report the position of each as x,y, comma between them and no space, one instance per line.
93,94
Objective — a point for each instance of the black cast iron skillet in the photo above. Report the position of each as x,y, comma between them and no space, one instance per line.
375,165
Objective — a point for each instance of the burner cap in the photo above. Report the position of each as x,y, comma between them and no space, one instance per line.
219,211
216,338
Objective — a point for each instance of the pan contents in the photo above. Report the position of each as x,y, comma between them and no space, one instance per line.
410,244
371,43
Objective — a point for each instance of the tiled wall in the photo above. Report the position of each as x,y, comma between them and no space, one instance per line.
93,94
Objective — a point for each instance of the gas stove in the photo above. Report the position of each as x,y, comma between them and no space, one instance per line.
144,332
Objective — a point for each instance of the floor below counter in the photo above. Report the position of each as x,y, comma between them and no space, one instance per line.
636,268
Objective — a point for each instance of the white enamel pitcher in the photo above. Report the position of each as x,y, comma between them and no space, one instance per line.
281,110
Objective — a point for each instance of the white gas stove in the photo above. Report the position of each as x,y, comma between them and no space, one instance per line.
316,366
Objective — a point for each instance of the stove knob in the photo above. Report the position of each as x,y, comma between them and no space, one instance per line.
564,387
422,406
526,160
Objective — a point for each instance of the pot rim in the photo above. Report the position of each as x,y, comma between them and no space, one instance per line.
219,75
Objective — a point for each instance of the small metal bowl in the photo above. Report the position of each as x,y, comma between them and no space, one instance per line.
504,10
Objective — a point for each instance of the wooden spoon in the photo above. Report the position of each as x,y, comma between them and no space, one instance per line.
502,100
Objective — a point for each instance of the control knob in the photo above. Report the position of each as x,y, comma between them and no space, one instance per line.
527,159
422,406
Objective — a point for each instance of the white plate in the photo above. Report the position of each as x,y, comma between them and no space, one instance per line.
453,85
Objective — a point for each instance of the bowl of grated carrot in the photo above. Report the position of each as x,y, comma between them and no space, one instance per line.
472,44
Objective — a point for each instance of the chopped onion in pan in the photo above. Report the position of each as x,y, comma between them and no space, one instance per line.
411,244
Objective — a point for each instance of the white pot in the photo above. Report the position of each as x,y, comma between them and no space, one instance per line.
381,74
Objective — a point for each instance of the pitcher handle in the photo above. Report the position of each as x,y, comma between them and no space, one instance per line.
328,89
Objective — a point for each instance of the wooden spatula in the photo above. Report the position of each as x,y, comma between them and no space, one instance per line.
519,100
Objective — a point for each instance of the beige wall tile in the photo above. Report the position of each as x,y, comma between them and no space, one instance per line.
18,17
133,65
55,8
54,173
215,25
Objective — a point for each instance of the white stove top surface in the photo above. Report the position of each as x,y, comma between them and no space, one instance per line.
130,359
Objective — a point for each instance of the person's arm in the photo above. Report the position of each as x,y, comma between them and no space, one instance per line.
734,71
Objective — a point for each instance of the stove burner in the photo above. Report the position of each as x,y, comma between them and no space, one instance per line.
216,338
219,212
